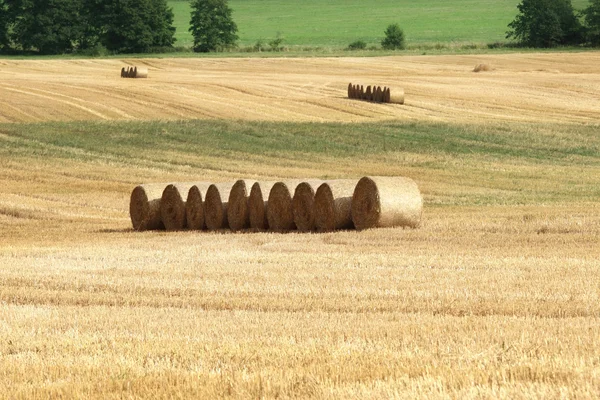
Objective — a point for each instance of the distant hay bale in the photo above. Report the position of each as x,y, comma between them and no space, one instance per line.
123,73
141,72
362,93
144,207
280,209
131,73
386,95
172,206
379,95
302,205
482,67
350,90
257,205
333,205
215,206
386,202
238,213
397,96
368,95
194,206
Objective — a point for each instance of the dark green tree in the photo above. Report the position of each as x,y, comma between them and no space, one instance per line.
4,40
394,38
592,22
546,23
212,25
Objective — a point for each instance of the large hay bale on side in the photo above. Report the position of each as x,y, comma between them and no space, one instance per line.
380,201
172,206
397,96
386,95
194,206
280,209
350,90
257,205
302,204
238,214
215,208
333,205
144,207
482,68
141,72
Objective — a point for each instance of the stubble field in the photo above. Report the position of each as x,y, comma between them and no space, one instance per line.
496,295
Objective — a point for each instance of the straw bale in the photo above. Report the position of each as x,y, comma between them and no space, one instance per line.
482,68
144,207
280,209
194,206
302,204
238,214
123,72
368,95
141,72
215,208
362,93
172,206
257,206
386,95
386,202
333,205
350,90
379,95
397,97
131,73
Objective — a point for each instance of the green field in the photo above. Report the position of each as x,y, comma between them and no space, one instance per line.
336,23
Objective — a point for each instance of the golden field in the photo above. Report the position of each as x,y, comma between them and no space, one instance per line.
497,295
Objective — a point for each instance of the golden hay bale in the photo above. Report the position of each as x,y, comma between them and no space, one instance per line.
482,67
123,72
257,206
302,205
131,73
397,97
280,209
144,207
386,95
385,202
172,206
215,206
350,90
333,205
194,206
379,97
141,72
368,93
362,93
238,214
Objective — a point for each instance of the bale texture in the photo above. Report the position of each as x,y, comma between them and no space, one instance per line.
141,72
257,205
238,213
194,206
386,202
215,206
280,209
172,206
144,207
386,95
350,90
333,205
482,68
302,204
397,96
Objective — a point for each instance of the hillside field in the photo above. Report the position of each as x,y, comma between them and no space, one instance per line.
496,295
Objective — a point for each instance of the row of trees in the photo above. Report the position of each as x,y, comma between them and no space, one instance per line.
549,23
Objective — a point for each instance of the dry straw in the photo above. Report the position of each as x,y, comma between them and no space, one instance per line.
482,68
194,206
386,202
238,213
215,206
144,207
257,205
172,206
302,204
280,209
333,205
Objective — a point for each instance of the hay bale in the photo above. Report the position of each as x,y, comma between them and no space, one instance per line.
141,72
482,68
172,206
238,213
333,205
397,97
131,73
280,209
215,208
194,206
123,72
257,206
386,202
362,93
144,207
350,90
379,95
386,95
302,205
368,93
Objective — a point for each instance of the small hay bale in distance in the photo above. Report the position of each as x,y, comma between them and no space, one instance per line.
123,72
482,68
280,209
333,205
350,90
144,207
238,214
302,203
386,95
380,201
396,96
194,206
172,206
141,72
368,93
215,208
257,205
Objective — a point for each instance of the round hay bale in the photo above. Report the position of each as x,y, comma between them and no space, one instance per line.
123,72
362,93
141,72
397,97
386,95
368,95
350,90
144,207
333,205
280,209
386,202
257,206
172,206
131,73
194,206
302,204
238,213
379,95
482,68
215,209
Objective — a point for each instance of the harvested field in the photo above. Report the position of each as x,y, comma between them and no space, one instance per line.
522,87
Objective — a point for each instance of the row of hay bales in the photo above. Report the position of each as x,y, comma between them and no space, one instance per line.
134,72
304,205
375,94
